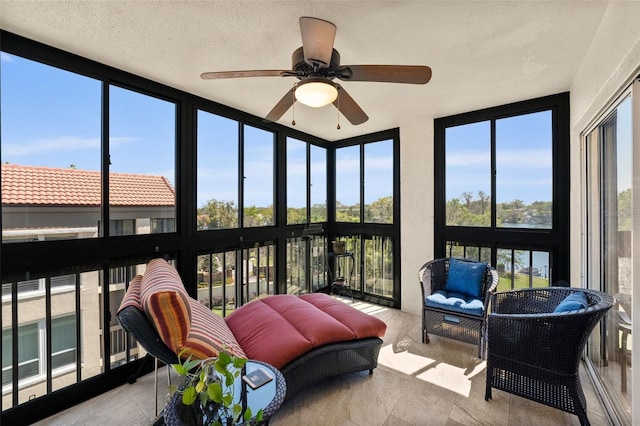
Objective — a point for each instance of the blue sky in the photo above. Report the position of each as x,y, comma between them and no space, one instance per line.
523,158
52,118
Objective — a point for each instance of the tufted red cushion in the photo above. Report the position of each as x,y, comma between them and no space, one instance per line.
278,329
362,325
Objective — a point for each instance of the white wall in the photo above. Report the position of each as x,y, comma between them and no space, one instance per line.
416,208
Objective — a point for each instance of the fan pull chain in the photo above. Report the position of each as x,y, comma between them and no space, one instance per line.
338,127
293,107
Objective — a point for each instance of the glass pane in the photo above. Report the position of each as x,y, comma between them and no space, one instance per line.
31,349
524,178
318,265
318,184
378,266
92,353
348,184
468,174
378,182
63,331
609,186
216,281
296,266
142,147
258,272
296,181
50,132
258,177
217,172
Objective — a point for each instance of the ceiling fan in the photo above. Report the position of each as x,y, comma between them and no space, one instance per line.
316,64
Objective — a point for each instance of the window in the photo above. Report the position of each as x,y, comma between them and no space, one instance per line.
468,174
296,181
378,182
502,189
31,344
348,184
609,184
524,177
142,146
217,172
50,133
318,184
259,171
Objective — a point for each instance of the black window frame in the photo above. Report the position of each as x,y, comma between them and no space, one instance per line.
554,240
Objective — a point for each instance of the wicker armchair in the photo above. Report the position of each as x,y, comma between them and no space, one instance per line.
534,352
453,324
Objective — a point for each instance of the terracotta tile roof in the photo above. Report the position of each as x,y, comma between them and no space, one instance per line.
28,185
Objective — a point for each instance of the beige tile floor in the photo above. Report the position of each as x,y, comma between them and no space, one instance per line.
441,383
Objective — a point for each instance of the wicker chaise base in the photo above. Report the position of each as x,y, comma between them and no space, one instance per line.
331,360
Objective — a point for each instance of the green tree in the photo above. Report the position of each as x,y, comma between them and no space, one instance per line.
217,214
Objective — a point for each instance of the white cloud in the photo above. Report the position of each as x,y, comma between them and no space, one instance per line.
62,143
57,144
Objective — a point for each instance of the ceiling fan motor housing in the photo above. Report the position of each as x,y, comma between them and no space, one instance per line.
304,70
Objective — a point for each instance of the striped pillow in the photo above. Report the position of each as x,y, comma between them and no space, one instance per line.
166,303
132,296
209,334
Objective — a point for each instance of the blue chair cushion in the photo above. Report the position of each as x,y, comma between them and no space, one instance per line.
455,302
573,302
465,277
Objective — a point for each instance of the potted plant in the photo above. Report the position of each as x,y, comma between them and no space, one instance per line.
207,394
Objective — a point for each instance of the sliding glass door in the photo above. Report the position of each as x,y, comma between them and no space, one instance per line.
609,222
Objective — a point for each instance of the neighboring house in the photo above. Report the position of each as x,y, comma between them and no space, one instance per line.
63,203
66,203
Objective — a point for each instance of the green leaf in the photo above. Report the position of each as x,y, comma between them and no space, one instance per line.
247,414
200,386
190,364
189,395
214,390
225,358
259,416
204,398
239,362
229,379
237,410
227,400
179,369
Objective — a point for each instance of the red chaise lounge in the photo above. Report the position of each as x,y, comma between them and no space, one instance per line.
308,338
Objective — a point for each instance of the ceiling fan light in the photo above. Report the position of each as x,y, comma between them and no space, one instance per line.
316,92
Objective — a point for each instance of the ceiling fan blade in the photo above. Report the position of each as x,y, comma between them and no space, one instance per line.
253,73
414,74
281,107
318,36
349,108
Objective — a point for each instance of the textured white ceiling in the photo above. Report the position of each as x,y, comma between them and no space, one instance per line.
483,53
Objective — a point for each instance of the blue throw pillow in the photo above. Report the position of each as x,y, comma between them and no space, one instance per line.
573,302
465,277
